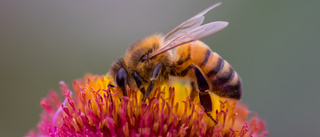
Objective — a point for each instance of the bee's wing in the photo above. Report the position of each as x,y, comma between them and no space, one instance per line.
189,24
192,35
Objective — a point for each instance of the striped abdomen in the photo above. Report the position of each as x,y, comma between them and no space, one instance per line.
224,80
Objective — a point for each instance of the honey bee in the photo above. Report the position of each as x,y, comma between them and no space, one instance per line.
149,62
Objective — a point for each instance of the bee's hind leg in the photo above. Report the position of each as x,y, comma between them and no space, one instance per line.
203,86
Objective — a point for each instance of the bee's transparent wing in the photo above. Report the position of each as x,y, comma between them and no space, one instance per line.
192,35
189,24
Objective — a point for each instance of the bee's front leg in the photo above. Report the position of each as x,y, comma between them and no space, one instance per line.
154,76
138,81
121,79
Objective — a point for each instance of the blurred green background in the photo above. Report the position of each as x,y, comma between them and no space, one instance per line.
273,45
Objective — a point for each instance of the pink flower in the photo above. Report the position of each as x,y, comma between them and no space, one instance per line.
96,109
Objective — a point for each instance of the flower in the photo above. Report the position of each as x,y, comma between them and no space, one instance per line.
97,109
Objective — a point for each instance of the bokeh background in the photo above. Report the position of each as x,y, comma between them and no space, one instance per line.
273,45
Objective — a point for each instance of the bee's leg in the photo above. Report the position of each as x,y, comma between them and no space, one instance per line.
194,93
138,80
204,96
154,75
110,85
122,80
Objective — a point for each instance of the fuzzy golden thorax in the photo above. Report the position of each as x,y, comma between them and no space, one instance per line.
133,61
